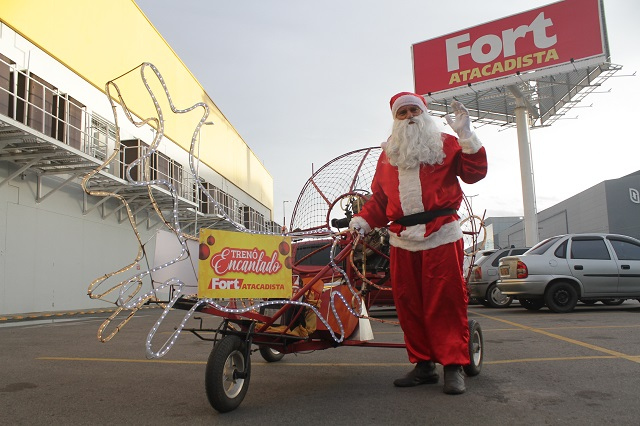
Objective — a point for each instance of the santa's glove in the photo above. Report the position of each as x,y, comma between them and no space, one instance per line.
358,230
462,126
359,225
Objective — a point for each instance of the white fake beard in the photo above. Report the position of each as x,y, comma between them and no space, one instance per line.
415,141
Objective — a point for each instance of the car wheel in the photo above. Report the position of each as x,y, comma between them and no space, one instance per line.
495,298
532,304
484,303
612,302
561,297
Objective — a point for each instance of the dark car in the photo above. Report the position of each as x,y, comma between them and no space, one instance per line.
484,277
560,271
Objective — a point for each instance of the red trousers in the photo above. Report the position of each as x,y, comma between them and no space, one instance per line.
431,302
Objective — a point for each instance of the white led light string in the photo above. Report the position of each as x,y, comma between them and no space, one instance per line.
136,280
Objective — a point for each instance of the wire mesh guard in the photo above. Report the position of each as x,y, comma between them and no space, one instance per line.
350,173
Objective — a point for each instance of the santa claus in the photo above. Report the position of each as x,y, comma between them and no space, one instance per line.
416,193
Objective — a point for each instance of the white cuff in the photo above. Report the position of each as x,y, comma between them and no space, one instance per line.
358,222
471,145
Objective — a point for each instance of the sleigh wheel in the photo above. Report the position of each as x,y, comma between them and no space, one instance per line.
270,355
227,374
476,349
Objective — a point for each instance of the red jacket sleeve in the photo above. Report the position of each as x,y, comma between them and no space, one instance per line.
472,167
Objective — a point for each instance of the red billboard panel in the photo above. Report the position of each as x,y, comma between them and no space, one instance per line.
566,32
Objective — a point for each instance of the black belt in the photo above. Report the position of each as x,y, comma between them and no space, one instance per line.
423,217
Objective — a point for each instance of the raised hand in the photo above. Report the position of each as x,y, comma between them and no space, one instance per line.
462,123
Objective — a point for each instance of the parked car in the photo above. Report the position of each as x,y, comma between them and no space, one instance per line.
560,271
484,276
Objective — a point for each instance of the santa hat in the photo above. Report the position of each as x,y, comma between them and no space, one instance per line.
407,98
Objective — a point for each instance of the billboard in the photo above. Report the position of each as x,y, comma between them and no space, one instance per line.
560,37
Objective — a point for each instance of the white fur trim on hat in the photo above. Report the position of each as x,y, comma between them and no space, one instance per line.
407,100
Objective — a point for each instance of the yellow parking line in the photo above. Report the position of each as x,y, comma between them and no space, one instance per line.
572,327
161,361
567,358
564,339
324,364
591,327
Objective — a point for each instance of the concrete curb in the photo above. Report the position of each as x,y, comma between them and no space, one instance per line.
58,314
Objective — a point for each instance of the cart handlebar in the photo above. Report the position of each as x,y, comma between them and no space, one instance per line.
340,223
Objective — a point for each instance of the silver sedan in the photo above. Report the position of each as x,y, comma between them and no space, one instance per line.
562,270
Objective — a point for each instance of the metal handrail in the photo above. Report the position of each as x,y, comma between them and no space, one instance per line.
35,103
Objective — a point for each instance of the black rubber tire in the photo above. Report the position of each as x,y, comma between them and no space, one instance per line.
612,302
532,304
473,301
225,390
270,355
484,303
561,297
476,349
495,298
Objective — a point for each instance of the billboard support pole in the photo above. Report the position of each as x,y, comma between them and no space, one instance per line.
526,168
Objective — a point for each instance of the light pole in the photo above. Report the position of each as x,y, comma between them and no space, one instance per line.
284,217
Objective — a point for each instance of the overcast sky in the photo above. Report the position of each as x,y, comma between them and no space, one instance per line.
306,81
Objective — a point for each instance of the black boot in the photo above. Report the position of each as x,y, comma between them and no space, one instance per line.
453,380
423,373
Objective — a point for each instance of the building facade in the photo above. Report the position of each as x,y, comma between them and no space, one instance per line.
612,206
57,124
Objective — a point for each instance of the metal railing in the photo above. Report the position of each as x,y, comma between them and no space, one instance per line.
157,167
30,100
33,102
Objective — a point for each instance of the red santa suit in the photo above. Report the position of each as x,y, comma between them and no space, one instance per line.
427,259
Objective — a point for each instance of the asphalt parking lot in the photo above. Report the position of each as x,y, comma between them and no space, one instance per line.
540,368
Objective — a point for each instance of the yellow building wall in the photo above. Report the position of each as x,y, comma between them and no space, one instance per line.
102,40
